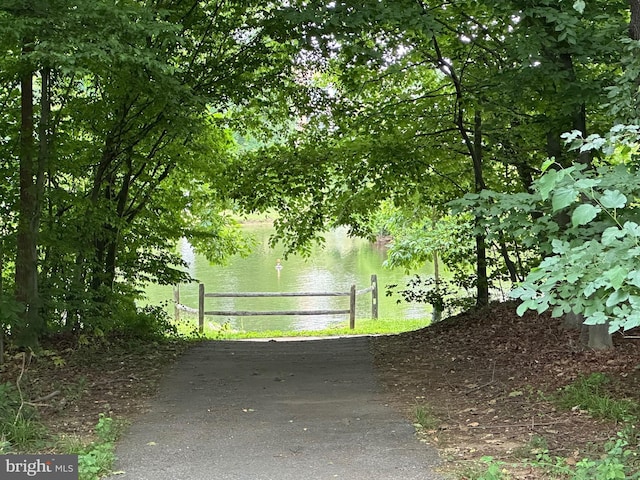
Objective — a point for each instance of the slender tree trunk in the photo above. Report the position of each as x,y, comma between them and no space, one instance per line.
481,245
26,275
436,314
634,24
32,173
474,147
111,257
511,266
481,271
577,121
2,325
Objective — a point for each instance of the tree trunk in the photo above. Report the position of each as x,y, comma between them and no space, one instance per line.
1,295
634,24
113,245
481,246
482,286
596,337
599,337
26,275
474,148
573,321
511,266
32,173
436,314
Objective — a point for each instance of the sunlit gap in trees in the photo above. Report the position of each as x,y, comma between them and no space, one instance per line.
470,37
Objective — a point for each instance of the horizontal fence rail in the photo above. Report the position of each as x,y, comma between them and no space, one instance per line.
278,294
352,293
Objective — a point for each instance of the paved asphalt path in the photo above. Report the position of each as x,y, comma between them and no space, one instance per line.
285,410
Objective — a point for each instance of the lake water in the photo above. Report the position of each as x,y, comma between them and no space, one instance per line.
341,263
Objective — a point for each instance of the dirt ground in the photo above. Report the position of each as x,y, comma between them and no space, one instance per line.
484,378
488,377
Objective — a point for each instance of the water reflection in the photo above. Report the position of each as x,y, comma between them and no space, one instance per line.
343,262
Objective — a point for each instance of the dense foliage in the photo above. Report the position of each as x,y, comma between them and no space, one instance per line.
429,102
591,266
130,124
116,120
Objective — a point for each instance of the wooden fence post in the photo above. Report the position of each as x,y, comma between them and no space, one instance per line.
201,308
176,301
374,296
352,308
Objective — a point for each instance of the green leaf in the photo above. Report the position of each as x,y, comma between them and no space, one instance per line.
613,199
610,235
587,183
559,247
617,297
593,142
632,321
573,277
563,197
592,287
547,183
632,228
526,305
547,163
560,310
584,214
542,306
634,278
616,276
634,301
597,318
520,292
579,5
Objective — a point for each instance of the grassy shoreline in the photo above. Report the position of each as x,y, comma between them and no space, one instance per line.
385,326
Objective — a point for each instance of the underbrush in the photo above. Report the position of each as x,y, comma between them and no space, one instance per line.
46,387
96,459
619,461
21,431
20,428
619,458
592,394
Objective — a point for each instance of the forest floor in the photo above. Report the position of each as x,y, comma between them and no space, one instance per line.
482,382
488,379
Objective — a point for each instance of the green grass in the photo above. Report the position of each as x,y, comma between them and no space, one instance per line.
487,469
425,418
363,327
591,393
20,428
19,434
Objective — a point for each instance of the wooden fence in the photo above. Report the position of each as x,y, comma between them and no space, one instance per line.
352,294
